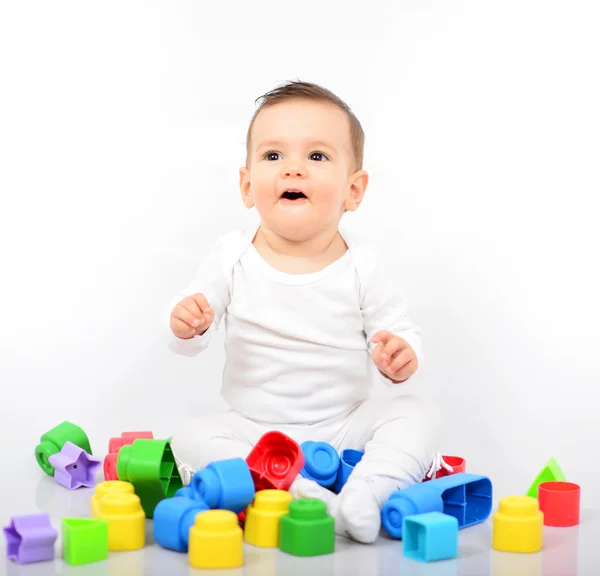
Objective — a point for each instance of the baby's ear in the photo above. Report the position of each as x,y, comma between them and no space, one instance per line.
357,188
245,187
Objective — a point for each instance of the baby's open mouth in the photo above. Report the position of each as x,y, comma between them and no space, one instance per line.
293,195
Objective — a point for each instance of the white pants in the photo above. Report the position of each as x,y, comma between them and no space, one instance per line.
400,437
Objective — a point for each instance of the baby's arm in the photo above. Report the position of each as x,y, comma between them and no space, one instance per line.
195,313
393,339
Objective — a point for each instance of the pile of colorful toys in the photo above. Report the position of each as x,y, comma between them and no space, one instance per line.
235,501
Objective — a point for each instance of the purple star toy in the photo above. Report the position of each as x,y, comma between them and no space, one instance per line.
30,538
74,467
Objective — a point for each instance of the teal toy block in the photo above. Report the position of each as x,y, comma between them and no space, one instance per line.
430,537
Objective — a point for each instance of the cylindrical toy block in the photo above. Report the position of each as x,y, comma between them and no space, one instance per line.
560,503
348,460
126,521
307,530
321,462
53,441
108,487
263,517
226,485
216,541
518,525
173,518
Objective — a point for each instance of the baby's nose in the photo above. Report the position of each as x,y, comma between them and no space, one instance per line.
293,171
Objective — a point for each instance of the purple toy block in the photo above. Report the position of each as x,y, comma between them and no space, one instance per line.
74,467
30,538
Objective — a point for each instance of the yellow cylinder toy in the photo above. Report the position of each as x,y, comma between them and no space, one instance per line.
108,487
518,525
216,540
263,517
126,520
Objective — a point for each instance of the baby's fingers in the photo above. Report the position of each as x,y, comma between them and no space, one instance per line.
181,329
192,318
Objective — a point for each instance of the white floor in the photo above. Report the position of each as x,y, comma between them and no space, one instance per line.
567,551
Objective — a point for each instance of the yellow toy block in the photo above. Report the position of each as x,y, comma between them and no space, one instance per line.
518,525
216,540
126,521
263,517
109,487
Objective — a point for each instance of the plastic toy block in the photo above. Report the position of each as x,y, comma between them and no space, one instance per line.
30,538
263,517
321,462
85,540
457,464
430,537
552,472
150,466
275,461
126,521
108,487
52,442
173,518
187,492
518,525
216,541
467,497
110,466
307,530
226,485
348,460
74,467
126,438
560,503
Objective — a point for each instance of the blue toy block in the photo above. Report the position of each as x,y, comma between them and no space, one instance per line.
467,497
187,492
321,462
226,485
430,537
173,518
348,460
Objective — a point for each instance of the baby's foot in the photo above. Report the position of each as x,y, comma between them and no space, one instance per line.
357,514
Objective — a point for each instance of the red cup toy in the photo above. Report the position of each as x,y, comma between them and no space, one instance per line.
559,501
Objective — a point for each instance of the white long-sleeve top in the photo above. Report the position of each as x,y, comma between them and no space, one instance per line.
298,346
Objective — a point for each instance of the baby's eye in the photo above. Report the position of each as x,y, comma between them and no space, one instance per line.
272,156
318,156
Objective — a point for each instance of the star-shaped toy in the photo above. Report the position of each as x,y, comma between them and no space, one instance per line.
74,467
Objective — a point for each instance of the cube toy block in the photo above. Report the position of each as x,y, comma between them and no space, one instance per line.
108,487
74,467
560,503
30,538
216,541
321,462
430,537
52,442
114,445
467,497
307,530
348,460
552,472
126,521
225,484
85,540
263,518
173,518
150,466
518,525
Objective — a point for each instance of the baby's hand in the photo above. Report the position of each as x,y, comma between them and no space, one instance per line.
394,356
192,316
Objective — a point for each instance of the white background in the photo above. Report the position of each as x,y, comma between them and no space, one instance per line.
122,128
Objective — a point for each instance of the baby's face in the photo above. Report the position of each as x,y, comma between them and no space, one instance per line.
300,171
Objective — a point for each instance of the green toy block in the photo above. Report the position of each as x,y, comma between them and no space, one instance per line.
552,472
52,442
85,540
150,466
307,530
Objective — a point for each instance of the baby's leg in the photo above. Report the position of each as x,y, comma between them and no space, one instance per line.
210,438
400,438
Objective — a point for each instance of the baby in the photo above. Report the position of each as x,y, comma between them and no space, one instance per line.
311,317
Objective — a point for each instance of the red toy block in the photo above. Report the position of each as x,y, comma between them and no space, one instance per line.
560,502
110,466
457,463
274,463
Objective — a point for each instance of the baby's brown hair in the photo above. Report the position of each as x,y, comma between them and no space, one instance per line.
297,90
